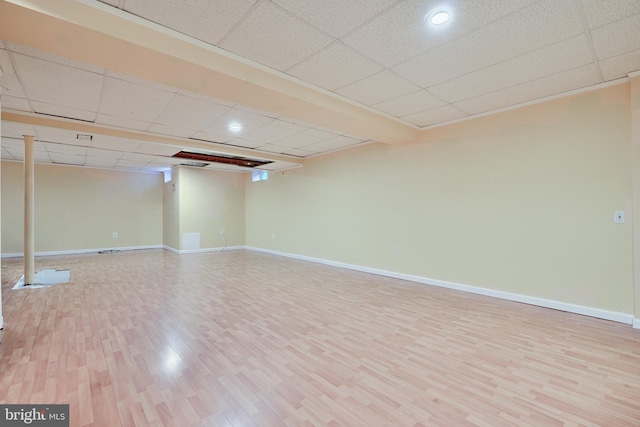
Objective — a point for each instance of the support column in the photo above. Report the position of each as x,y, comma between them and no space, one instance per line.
29,260
635,147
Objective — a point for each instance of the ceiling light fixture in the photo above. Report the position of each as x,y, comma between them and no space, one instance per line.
438,17
235,127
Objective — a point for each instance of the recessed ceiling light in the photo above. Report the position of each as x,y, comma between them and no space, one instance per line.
235,127
438,17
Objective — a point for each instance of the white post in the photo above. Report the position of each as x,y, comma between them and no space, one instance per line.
29,260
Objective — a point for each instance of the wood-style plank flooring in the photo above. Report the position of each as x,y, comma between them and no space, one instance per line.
240,338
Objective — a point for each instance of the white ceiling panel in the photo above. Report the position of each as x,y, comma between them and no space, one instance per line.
613,40
64,136
541,24
308,137
138,157
63,111
190,113
619,66
110,2
29,51
401,33
332,144
120,122
139,81
275,166
256,111
555,84
274,131
274,148
206,20
76,88
377,88
157,149
68,149
65,158
13,103
151,167
334,67
408,104
107,154
272,37
248,121
435,115
299,152
9,80
16,130
603,12
15,152
6,155
171,131
133,101
212,137
103,162
557,58
206,98
114,143
131,164
336,17
246,143
41,157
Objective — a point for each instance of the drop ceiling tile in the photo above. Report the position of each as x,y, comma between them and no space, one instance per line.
141,82
68,159
9,80
120,122
114,143
130,164
15,152
514,35
106,154
619,66
137,157
206,98
16,130
256,111
436,115
132,101
618,38
246,143
73,87
41,157
62,148
334,67
558,83
206,20
190,113
157,149
381,41
248,121
155,168
169,160
408,104
6,155
563,56
29,51
104,162
377,88
336,17
13,103
603,12
110,2
62,111
274,38
274,131
274,148
308,137
171,131
212,137
64,136
332,144
300,152
17,143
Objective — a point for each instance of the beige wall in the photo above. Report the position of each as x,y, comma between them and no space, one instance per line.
635,144
521,202
211,201
171,211
80,208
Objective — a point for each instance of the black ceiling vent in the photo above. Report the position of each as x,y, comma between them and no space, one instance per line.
218,158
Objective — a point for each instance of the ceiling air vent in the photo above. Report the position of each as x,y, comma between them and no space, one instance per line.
195,164
217,158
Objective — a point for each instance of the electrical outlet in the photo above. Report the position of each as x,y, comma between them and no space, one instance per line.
222,232
115,234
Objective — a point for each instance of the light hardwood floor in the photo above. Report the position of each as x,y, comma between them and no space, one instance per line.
241,338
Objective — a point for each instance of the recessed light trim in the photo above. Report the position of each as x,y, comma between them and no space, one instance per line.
438,17
235,127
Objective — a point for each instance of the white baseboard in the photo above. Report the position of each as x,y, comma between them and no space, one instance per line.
83,251
541,302
198,251
1,322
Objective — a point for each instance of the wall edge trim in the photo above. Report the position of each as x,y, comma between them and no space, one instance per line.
540,302
82,251
636,323
203,250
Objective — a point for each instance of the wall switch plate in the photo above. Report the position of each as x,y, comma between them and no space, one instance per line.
222,232
115,234
618,217
395,250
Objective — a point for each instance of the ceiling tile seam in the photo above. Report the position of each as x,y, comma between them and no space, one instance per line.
501,62
238,23
375,74
100,97
587,34
411,93
155,120
376,16
448,104
22,85
348,147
